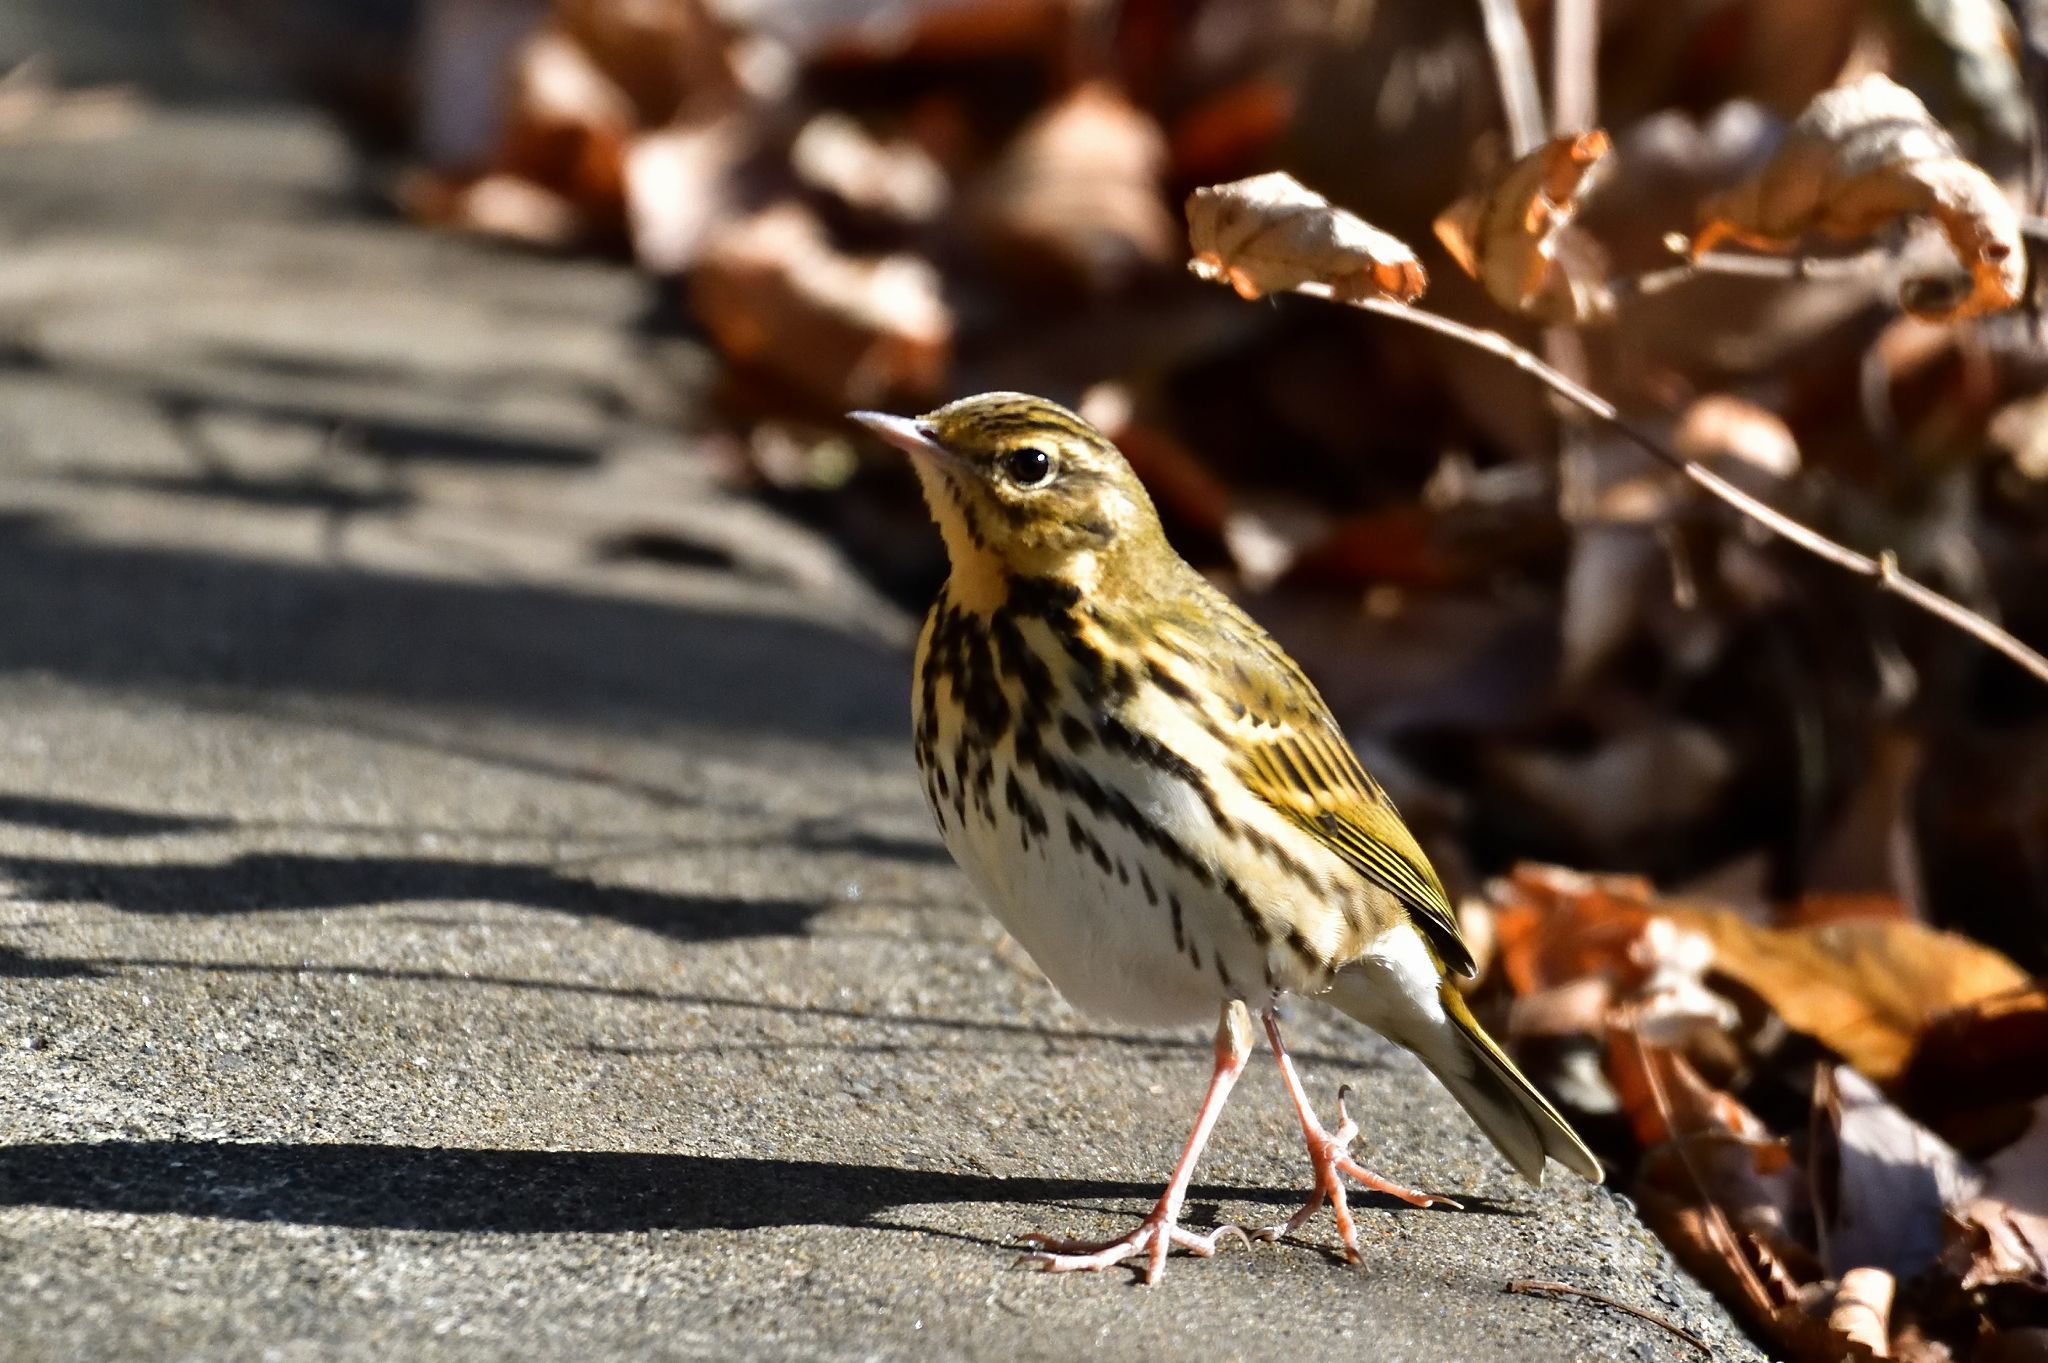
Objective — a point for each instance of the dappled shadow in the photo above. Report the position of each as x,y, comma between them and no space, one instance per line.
266,882
528,1192
136,616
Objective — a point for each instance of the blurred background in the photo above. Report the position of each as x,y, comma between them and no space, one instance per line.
1549,648
1552,651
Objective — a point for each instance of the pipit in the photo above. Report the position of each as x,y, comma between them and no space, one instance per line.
1161,809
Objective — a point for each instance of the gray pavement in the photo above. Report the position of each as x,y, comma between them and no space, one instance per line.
434,929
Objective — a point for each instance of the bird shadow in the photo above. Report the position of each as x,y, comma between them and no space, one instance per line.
522,1192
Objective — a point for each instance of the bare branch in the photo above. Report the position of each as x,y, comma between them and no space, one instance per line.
1882,569
1735,265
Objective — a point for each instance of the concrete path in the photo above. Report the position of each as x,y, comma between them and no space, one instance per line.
466,895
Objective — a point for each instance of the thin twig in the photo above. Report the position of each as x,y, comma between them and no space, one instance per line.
1753,267
1718,1226
1883,568
1566,1289
1514,68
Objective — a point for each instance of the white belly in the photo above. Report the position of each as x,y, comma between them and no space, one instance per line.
1107,868
1105,942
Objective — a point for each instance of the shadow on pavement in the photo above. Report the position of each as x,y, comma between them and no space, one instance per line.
267,882
523,1192
145,616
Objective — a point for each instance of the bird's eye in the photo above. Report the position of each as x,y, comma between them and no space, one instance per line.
1027,467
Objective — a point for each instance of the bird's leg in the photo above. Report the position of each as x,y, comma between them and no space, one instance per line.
1160,1231
1329,1152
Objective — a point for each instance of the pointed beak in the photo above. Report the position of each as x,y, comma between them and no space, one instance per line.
905,433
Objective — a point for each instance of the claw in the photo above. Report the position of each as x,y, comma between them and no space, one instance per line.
1153,1237
1329,1153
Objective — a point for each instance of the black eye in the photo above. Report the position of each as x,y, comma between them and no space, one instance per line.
1027,467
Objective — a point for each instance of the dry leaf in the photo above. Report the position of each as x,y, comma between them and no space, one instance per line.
1861,1311
1271,234
1865,988
1508,235
1863,156
1077,194
896,180
1715,1183
680,190
1881,1181
2001,1234
845,330
1989,1052
668,58
1577,947
1736,435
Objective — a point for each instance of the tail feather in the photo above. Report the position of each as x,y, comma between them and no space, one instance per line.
1520,1121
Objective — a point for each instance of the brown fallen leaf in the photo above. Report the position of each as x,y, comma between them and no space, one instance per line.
1989,1052
1271,234
1861,1311
1738,437
2001,1234
1865,988
1860,158
1576,948
558,172
670,59
1714,1182
777,295
896,180
1508,236
1076,196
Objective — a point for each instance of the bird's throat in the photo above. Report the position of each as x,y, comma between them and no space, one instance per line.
980,580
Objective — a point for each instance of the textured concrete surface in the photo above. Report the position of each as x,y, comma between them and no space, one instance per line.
437,927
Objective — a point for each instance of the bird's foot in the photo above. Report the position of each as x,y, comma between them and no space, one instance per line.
1329,1153
1153,1237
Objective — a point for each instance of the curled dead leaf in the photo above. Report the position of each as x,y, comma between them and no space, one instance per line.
1509,235
2001,1234
1860,1313
776,294
1861,157
1271,234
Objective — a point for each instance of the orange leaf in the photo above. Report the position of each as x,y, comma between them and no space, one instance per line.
1508,235
1865,988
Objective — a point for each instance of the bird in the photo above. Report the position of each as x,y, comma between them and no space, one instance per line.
1159,807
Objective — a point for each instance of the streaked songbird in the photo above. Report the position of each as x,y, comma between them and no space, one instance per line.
1161,809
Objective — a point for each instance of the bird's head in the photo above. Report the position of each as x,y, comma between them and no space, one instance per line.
1021,486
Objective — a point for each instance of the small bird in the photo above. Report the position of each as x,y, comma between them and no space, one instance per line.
1161,809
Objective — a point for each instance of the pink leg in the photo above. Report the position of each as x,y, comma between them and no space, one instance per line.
1329,1153
1161,1229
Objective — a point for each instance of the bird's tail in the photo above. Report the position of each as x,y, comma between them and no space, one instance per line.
1515,1117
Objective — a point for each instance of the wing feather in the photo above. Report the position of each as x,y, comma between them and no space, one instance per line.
1292,755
